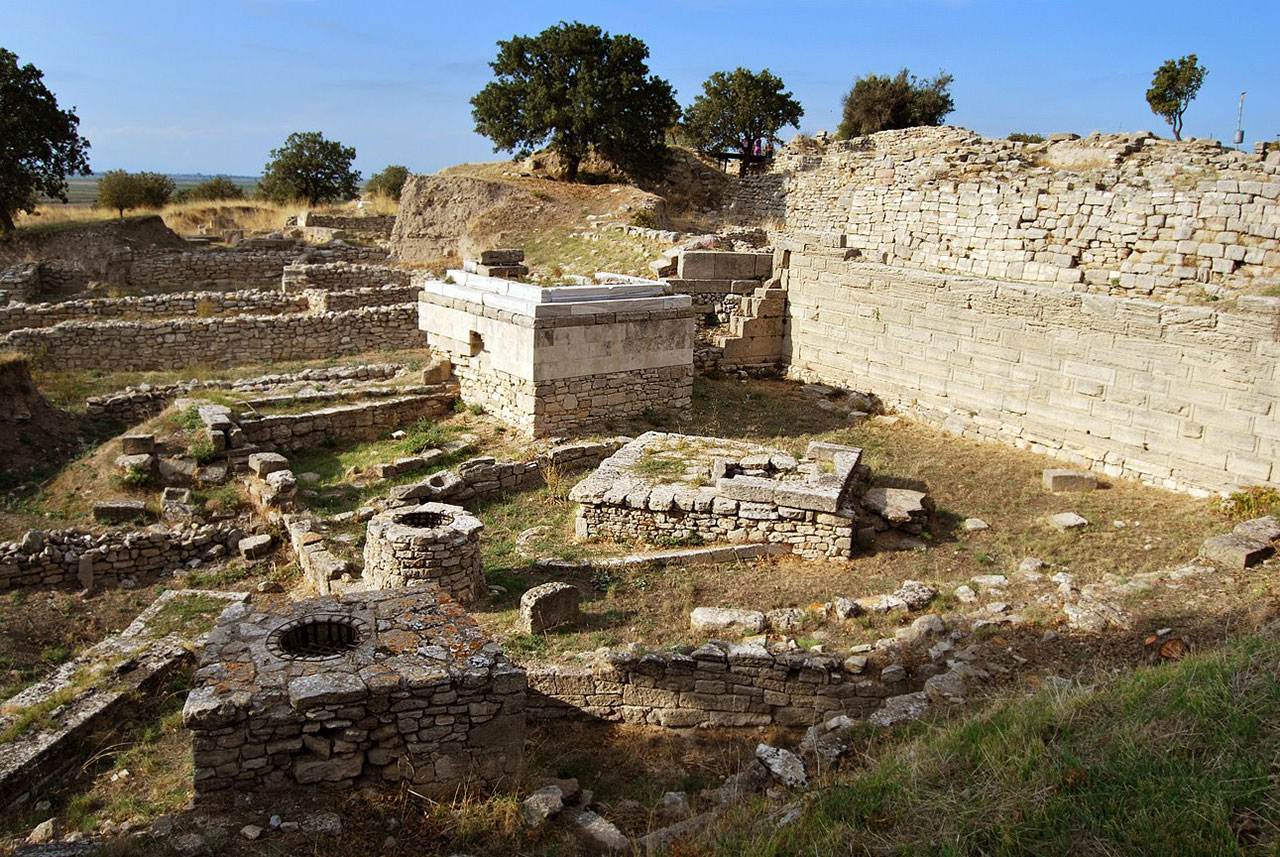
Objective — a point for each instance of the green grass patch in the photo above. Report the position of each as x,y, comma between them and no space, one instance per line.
188,615
1175,759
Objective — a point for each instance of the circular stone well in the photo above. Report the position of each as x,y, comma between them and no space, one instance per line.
429,543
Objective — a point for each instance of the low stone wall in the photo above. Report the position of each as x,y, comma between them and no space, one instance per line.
174,304
363,421
246,267
132,405
376,225
21,282
338,276
319,300
217,342
716,685
83,560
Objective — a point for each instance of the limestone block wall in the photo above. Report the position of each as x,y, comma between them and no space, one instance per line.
1123,214
135,404
217,341
1178,395
336,276
363,421
195,304
717,685
377,225
80,559
21,282
320,300
247,267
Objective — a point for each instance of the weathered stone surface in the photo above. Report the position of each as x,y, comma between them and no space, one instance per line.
916,595
597,832
262,463
720,620
783,765
119,511
1057,479
541,805
1065,521
1235,551
549,606
1265,529
253,547
901,709
898,505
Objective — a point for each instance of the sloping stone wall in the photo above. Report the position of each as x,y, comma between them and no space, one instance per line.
1177,395
1124,214
336,276
201,304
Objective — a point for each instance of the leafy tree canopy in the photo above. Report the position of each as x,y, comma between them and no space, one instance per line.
740,109
309,167
121,190
211,190
882,103
574,87
39,143
1173,88
389,182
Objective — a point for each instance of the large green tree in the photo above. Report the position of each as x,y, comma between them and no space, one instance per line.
310,168
740,109
879,102
40,144
1173,88
211,190
389,182
121,190
574,88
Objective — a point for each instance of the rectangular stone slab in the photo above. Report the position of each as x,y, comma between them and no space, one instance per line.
1234,551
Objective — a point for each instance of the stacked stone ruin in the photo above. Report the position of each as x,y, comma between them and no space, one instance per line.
365,688
670,488
430,543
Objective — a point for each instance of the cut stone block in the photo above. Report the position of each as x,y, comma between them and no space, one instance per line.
253,547
715,620
262,463
548,606
507,256
1069,480
118,511
138,444
1235,551
898,505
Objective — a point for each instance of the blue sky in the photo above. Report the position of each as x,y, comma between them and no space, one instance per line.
211,87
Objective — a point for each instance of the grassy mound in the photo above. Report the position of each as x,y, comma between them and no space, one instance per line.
1176,759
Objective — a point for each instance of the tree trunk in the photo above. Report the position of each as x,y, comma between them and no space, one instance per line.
572,163
6,221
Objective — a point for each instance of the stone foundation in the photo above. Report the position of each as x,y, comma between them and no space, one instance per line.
366,688
664,488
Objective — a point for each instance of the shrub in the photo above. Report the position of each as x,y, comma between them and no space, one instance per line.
1019,137
202,450
881,103
645,218
389,182
212,190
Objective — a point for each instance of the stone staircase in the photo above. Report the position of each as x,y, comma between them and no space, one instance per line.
753,335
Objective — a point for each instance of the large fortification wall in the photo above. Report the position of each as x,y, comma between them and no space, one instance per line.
1119,214
1178,395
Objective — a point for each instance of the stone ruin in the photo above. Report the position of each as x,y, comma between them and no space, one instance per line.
428,543
670,488
566,358
368,687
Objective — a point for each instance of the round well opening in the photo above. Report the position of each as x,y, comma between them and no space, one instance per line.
318,638
424,520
